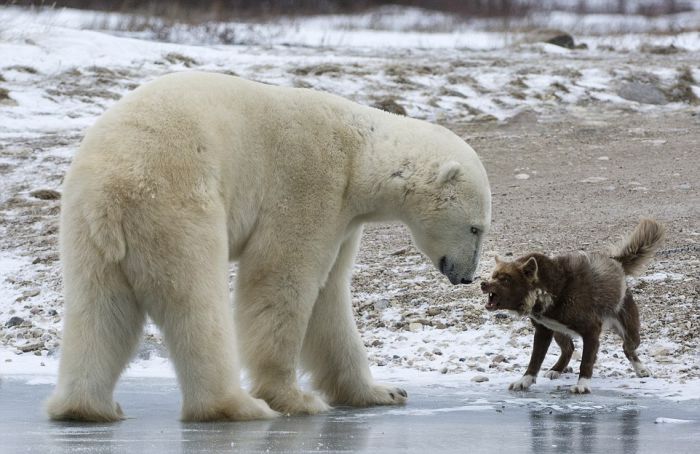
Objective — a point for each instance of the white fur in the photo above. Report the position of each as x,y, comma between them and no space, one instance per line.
523,383
537,296
194,170
613,324
582,387
555,325
640,369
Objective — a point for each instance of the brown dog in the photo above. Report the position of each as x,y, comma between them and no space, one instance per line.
572,295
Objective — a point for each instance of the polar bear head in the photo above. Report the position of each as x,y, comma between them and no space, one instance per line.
447,207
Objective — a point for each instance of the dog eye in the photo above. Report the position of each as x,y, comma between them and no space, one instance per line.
475,231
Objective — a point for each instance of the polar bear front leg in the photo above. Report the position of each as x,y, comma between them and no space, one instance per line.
273,305
333,351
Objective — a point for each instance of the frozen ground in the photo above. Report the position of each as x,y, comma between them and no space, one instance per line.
578,144
437,418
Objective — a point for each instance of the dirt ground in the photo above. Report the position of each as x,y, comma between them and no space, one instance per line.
575,181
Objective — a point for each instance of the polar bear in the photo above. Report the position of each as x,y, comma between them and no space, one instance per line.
194,170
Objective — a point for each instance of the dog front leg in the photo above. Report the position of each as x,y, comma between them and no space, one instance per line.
567,349
590,351
543,337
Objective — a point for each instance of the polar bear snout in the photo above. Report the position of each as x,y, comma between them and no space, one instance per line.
454,273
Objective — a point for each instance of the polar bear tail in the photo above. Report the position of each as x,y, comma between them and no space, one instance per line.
104,221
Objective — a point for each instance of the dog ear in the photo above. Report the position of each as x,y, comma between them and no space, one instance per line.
529,269
448,171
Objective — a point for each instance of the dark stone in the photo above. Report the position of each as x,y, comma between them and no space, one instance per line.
14,321
390,105
45,194
562,40
645,93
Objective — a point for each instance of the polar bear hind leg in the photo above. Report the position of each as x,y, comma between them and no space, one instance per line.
102,327
184,288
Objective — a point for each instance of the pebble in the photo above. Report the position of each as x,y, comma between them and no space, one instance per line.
522,176
31,347
659,351
433,311
415,327
499,359
381,304
480,378
14,321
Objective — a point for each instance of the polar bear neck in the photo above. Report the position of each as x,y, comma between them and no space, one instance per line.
398,155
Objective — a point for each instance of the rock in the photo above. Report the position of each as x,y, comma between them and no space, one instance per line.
501,315
551,36
499,359
641,92
45,194
381,304
52,312
659,50
659,352
415,327
433,311
522,176
14,321
30,347
480,378
28,294
389,104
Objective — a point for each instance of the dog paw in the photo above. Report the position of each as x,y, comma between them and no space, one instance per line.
582,387
523,384
641,371
552,374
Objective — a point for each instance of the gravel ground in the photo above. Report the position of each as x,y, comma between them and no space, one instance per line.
575,170
575,181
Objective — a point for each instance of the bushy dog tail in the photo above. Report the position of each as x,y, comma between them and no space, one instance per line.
638,249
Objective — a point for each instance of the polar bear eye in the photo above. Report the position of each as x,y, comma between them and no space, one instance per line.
475,231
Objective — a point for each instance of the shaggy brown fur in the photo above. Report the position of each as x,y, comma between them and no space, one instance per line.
577,294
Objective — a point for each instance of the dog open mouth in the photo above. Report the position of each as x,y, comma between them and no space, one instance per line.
492,303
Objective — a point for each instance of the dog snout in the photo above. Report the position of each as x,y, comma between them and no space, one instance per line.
484,286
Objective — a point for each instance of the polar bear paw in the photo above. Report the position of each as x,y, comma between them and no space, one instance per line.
238,407
552,374
523,384
582,387
293,401
383,395
61,409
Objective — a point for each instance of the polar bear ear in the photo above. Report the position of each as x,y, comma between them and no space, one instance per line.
448,172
